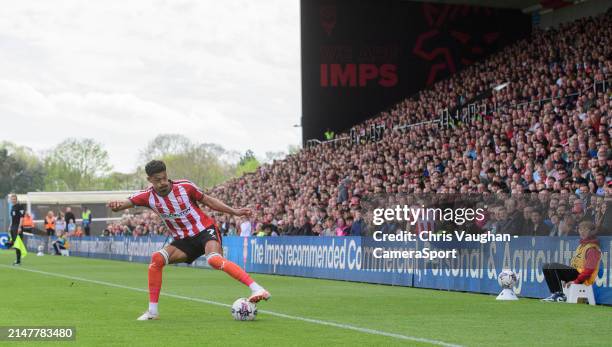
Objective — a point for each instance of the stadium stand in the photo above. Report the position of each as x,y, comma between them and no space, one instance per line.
542,126
141,224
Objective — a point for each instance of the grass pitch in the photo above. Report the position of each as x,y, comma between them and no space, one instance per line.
102,299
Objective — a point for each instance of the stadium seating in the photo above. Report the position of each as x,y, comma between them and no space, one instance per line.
548,130
145,223
560,129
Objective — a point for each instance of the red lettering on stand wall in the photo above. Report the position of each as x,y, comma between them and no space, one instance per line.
388,75
345,77
358,75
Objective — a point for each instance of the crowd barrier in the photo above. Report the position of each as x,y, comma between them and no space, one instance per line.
347,258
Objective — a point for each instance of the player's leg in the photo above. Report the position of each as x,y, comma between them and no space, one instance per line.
214,257
168,255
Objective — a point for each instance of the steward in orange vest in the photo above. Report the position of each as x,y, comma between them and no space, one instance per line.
584,265
50,224
27,223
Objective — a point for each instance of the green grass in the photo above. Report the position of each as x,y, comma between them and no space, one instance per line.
105,315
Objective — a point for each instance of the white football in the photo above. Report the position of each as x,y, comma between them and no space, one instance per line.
242,309
506,278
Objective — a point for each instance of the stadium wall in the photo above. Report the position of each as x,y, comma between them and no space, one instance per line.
361,57
342,258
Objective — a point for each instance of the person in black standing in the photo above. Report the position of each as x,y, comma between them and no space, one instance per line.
69,218
17,213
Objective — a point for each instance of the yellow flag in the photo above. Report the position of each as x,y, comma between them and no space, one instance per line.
20,246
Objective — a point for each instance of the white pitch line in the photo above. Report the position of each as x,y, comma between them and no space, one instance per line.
281,315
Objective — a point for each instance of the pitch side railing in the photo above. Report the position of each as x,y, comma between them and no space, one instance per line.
466,114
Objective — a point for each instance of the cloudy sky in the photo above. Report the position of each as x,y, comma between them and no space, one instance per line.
121,72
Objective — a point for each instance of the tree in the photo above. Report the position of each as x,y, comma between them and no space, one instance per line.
246,157
164,145
76,164
204,164
199,165
122,181
22,153
20,170
248,163
231,157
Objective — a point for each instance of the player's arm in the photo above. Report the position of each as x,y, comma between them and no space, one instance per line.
119,205
220,206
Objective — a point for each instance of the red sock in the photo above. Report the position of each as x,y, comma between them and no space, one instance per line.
218,262
155,276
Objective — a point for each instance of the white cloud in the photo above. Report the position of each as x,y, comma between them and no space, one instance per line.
122,72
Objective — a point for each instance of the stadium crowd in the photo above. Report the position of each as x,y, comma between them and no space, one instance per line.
145,223
546,135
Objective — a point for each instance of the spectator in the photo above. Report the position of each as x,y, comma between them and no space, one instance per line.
50,223
500,224
71,228
293,227
60,225
232,231
245,227
341,227
343,190
78,232
69,216
59,244
268,230
554,225
358,227
317,229
566,225
536,226
27,223
349,223
268,224
259,231
600,183
223,225
305,227
329,229
603,216
86,220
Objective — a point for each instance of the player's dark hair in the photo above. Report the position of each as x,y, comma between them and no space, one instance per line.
154,167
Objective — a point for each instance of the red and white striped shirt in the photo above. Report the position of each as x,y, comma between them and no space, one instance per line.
179,209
